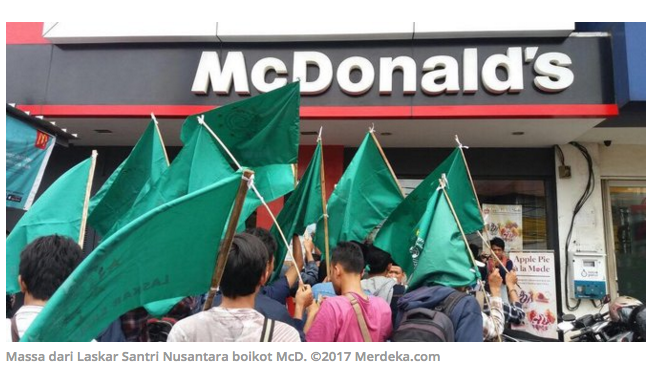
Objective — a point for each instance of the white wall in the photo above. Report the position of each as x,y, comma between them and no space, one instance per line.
308,30
588,232
613,162
622,161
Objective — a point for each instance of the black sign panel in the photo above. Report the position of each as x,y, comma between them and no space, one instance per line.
163,74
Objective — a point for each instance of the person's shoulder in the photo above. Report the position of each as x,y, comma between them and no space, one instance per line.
469,305
379,303
336,300
285,333
190,320
271,308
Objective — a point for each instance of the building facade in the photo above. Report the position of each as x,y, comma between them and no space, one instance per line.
516,97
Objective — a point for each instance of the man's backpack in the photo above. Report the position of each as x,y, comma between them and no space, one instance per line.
158,329
429,325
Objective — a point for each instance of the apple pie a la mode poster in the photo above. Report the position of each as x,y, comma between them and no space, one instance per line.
505,222
536,276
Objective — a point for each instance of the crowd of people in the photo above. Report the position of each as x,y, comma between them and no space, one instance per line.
364,296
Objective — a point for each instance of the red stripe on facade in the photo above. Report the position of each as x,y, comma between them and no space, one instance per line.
25,33
345,112
516,111
340,112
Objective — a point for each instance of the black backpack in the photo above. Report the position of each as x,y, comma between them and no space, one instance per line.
159,329
429,325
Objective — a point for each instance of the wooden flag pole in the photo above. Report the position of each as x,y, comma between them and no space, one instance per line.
391,170
160,138
253,187
477,200
325,210
442,185
87,197
223,254
468,172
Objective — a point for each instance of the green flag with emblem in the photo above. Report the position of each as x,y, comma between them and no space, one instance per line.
199,163
437,255
363,198
262,133
169,251
397,233
144,165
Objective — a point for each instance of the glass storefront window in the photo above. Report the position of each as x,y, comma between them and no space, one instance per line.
530,195
627,202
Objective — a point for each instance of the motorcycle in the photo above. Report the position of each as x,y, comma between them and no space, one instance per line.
623,322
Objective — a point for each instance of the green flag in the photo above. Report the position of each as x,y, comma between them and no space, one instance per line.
199,163
304,207
145,165
363,198
438,254
258,131
57,211
396,235
272,181
170,251
262,133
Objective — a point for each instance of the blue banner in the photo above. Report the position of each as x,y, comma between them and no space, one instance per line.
28,151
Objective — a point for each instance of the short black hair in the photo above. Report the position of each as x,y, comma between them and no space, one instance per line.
46,263
266,237
246,263
475,250
377,260
322,273
349,256
498,242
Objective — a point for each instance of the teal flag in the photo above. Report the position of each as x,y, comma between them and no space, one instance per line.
199,163
398,228
272,181
262,133
258,131
170,251
58,210
397,233
363,198
145,165
438,254
304,207
28,152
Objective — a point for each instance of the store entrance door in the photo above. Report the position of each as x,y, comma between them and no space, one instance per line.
626,205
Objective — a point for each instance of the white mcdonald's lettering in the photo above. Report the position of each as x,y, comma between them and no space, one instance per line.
440,73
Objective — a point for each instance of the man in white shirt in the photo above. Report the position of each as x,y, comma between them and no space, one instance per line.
44,265
235,319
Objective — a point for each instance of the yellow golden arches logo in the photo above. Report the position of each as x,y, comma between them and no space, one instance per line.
41,140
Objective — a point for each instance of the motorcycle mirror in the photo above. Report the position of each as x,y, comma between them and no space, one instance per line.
606,299
568,317
565,326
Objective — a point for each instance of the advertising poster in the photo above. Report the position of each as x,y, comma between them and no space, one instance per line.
505,222
28,151
536,276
